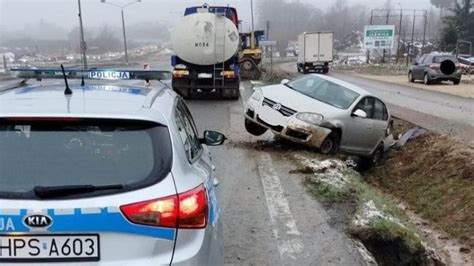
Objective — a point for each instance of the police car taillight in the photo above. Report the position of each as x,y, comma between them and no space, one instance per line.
186,210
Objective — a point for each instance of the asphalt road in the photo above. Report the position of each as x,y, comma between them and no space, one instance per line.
269,218
439,112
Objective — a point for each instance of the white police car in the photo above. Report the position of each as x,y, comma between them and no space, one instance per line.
105,174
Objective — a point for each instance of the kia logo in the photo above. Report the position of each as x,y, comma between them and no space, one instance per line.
38,221
276,107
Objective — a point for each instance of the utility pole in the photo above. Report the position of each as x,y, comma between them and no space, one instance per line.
5,64
424,31
410,50
371,20
83,43
399,35
252,35
124,39
386,23
122,7
268,30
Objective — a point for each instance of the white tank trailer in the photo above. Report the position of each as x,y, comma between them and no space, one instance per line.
206,44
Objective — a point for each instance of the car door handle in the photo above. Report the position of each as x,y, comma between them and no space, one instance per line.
216,182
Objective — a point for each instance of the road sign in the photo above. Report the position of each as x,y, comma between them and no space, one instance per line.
379,36
268,43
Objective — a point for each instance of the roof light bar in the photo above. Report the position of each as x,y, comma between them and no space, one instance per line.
107,74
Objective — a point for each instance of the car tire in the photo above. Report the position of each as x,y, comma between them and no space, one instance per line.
410,77
330,144
254,128
377,155
426,79
456,81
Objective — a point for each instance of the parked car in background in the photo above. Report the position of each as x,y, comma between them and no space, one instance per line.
435,67
321,112
466,64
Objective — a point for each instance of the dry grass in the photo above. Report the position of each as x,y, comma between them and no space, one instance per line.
435,176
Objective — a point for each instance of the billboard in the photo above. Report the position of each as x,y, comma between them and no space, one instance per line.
379,36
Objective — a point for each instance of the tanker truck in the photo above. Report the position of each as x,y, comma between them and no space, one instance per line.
206,43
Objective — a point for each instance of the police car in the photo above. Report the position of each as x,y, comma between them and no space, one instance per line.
104,172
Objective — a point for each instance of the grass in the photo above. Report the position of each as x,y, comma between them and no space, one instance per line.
435,176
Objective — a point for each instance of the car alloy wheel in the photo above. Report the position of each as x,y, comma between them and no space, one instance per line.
330,144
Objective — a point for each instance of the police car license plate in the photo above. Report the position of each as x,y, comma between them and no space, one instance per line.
37,248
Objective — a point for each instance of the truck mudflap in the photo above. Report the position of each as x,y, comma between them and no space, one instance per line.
193,88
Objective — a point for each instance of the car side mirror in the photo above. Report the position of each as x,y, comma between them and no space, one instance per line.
284,81
415,63
213,138
359,113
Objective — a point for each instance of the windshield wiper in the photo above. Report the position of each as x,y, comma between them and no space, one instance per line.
63,191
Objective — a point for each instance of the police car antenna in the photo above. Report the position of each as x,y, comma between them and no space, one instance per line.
68,90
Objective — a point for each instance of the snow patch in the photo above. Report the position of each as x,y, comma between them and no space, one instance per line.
329,171
370,213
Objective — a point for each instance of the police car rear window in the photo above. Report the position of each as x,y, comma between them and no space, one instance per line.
74,152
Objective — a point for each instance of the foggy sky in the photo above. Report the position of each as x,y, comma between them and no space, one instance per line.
19,14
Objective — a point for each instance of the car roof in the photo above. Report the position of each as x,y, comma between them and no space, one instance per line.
344,84
96,99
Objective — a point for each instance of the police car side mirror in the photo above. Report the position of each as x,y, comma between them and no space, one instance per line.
284,81
213,138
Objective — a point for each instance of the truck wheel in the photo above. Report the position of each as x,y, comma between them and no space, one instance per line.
298,68
325,71
305,71
330,144
254,128
456,81
235,94
410,77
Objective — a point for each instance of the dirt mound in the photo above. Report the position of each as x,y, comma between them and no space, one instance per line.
435,176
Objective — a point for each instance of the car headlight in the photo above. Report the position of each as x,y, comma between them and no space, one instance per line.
257,95
311,118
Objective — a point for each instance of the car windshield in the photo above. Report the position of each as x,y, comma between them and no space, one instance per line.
80,152
440,59
324,91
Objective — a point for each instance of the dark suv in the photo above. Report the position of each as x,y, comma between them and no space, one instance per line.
435,67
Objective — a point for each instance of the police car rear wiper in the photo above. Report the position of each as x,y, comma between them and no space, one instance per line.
63,191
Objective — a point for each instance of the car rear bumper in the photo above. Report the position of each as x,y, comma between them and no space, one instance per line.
435,75
294,130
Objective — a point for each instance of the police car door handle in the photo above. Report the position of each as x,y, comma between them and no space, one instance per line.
216,182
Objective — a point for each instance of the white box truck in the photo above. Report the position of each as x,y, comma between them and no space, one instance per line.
315,51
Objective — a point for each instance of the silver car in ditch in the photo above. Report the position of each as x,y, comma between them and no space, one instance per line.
105,173
322,112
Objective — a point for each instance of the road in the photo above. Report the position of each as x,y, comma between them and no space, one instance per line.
439,112
269,218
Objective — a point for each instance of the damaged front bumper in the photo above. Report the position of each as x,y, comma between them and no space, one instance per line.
295,130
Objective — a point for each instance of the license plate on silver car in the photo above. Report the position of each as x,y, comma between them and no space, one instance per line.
49,248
